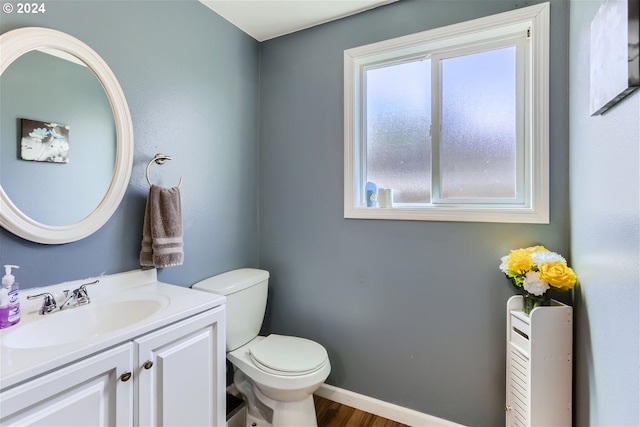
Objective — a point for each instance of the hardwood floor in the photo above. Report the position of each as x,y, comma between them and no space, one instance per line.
333,414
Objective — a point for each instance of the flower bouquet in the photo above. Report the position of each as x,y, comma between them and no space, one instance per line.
535,270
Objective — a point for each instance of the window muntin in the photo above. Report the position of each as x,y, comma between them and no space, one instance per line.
498,172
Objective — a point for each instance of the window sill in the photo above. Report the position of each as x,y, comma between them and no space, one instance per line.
522,215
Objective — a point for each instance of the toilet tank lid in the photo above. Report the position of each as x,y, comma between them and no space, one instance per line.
232,281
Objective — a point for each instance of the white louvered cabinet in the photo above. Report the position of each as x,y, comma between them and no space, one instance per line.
539,365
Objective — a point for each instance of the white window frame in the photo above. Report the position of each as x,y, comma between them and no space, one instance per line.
533,204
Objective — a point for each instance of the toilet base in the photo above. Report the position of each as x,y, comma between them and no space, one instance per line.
295,414
263,411
290,414
256,422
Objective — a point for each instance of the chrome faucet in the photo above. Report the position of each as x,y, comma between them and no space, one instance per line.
49,303
79,296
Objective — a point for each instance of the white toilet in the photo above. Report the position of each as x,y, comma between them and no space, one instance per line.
277,375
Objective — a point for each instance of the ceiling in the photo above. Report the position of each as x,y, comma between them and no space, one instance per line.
267,19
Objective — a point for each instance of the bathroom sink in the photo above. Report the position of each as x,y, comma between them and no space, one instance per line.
83,323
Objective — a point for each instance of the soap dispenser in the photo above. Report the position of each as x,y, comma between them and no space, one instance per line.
10,301
371,190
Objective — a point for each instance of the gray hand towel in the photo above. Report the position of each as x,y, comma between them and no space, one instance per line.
162,244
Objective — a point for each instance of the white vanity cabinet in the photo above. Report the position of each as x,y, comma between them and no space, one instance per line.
179,373
87,393
173,376
539,365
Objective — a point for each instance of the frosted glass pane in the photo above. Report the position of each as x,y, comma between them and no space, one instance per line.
398,117
478,132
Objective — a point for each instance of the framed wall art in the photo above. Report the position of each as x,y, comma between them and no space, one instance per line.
44,141
615,53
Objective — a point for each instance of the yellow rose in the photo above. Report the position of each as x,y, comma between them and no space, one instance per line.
557,274
519,261
538,248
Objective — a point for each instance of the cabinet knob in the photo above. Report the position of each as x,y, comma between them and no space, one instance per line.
148,364
125,376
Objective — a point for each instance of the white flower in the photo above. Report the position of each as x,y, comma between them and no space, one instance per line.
546,256
503,264
533,284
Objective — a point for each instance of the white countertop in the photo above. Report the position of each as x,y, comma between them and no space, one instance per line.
20,364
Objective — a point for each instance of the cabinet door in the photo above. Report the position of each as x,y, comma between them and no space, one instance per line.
86,393
181,379
517,387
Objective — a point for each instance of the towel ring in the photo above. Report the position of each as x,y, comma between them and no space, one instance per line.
160,159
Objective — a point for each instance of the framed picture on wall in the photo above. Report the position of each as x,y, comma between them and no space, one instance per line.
615,47
44,141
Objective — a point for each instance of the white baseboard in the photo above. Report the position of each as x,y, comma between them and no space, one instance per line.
381,408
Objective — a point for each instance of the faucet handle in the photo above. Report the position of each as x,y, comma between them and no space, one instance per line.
81,293
48,304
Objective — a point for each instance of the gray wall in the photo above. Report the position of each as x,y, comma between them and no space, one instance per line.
412,313
191,82
605,243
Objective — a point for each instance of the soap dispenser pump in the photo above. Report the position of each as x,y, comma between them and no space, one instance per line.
10,300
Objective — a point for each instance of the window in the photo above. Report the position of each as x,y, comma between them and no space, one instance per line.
453,120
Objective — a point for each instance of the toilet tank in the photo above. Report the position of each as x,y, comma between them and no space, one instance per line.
246,293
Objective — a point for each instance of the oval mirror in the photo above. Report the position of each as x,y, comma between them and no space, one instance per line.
65,163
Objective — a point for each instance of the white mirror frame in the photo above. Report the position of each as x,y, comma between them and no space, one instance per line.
20,41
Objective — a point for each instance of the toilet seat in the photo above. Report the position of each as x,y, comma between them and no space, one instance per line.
286,355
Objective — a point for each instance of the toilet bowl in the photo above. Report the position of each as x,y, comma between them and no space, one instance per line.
278,379
276,374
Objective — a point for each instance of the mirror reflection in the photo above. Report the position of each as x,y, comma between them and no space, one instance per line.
58,172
